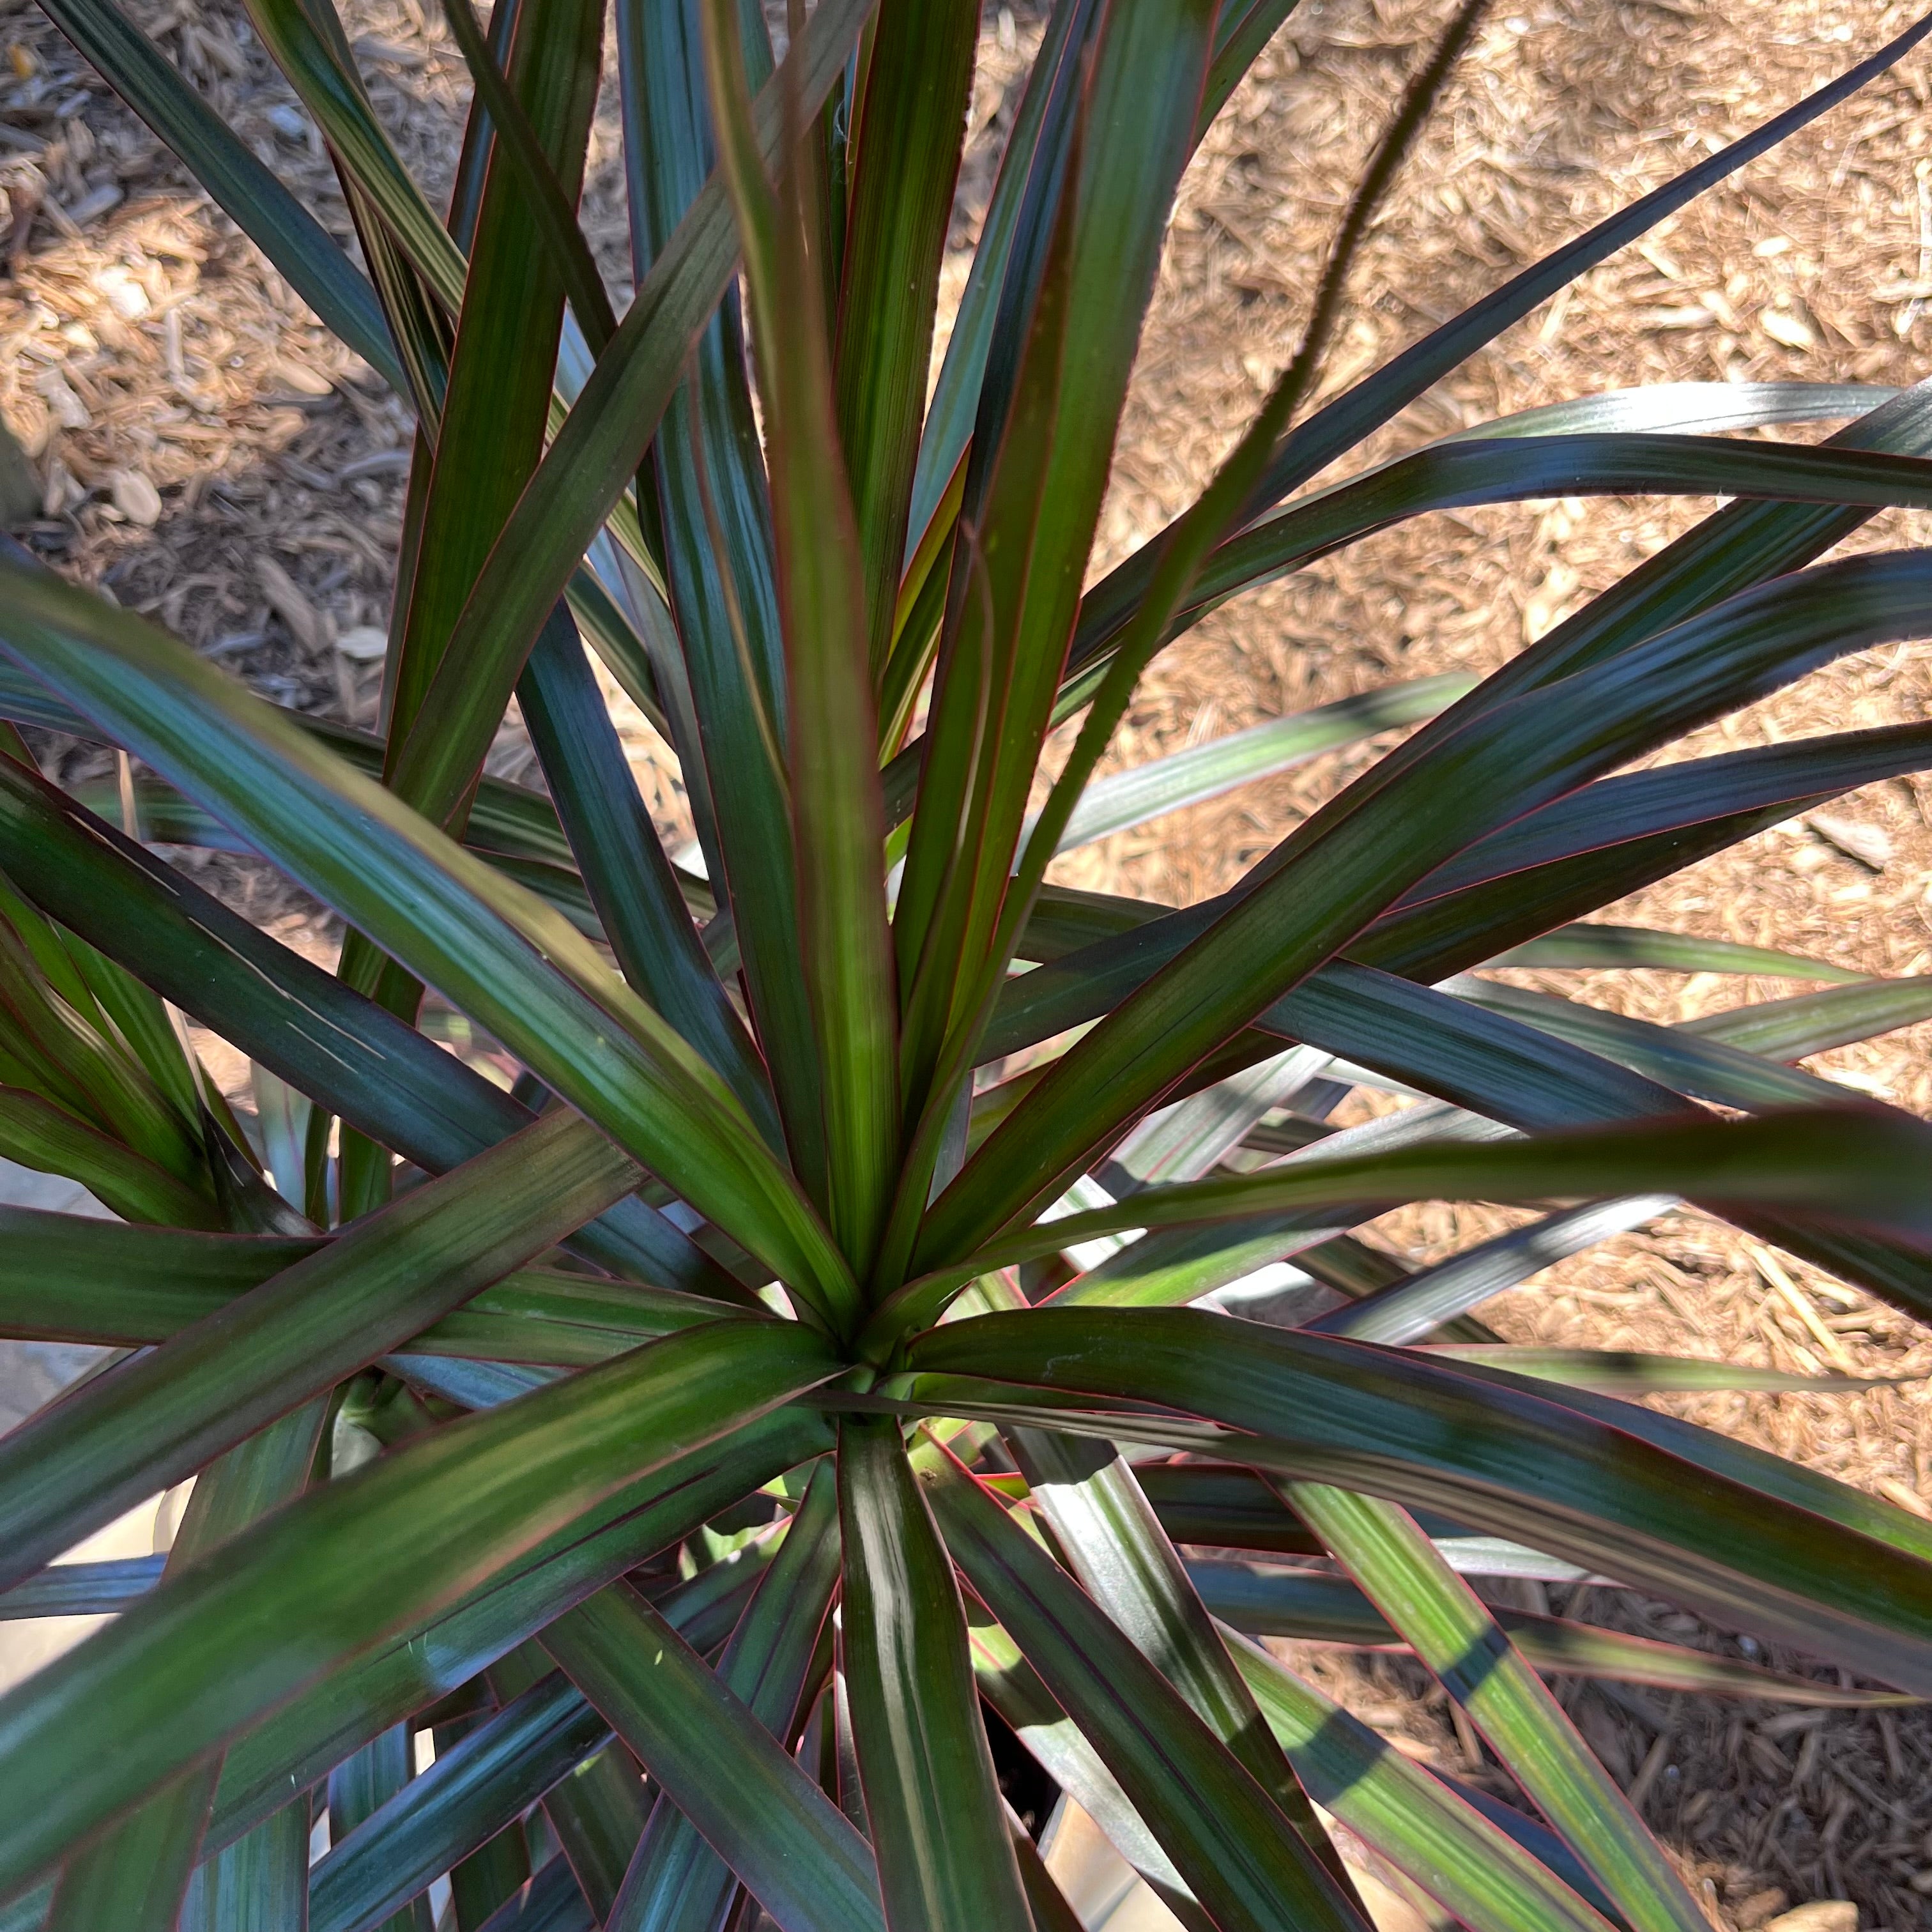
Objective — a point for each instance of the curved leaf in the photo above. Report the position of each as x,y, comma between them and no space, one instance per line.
761,1814
1353,858
331,1043
443,915
245,1630
1239,1854
1307,1604
472,1792
152,1421
1461,472
1814,1022
945,1859
1595,945
1484,1448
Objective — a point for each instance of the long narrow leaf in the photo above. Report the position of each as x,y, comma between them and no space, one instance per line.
777,1831
243,1631
443,914
1238,1853
945,1860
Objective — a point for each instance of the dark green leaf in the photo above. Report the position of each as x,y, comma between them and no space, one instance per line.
224,164
327,1042
1354,857
1305,1604
1495,1455
443,1650
837,819
441,913
1594,945
491,1776
643,912
1238,1853
676,1883
327,1579
787,1842
153,1420
945,1860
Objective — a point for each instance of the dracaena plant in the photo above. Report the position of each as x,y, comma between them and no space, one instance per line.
799,1360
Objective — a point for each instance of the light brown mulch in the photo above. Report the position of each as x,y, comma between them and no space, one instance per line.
212,457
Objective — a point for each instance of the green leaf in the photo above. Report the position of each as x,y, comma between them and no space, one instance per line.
1409,1309
945,1860
1205,771
1343,424
636,892
1352,859
153,1421
1307,1605
470,1792
1032,498
785,1840
1459,473
1244,28
1110,1538
224,164
552,1903
1595,945
1238,1853
438,1651
548,198
76,1279
1452,1631
1837,1164
262,1878
491,948
1411,1817
676,1883
1706,1069
1223,1504
1569,856
37,1133
910,125
358,1787
497,403
331,1043
837,820
1813,1022
1011,1686
138,1877
708,463
312,53
596,452
1036,150
243,1632
1502,1457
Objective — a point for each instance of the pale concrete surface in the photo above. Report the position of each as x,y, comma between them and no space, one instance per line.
31,1374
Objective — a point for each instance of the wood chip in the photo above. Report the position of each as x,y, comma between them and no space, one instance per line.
364,642
300,377
287,600
136,497
1869,844
1822,1915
